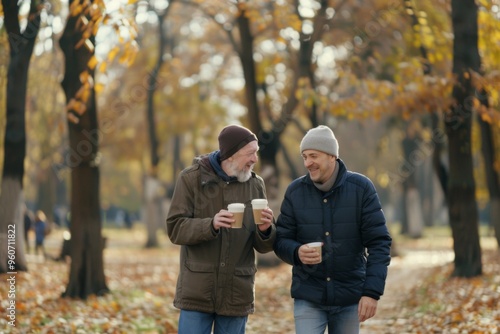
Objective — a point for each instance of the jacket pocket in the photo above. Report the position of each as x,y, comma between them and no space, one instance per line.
243,286
198,281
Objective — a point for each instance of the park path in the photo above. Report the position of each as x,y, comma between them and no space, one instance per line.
405,273
275,312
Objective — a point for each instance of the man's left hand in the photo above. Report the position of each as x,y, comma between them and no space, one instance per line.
267,219
367,308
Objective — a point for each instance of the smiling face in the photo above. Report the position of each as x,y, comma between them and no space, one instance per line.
319,164
242,162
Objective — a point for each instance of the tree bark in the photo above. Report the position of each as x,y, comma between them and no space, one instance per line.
11,197
462,208
86,275
492,177
152,209
439,167
412,223
152,201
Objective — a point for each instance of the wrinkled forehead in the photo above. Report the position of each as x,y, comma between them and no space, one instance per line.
251,147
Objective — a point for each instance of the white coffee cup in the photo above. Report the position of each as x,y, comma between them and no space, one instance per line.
237,209
318,246
258,205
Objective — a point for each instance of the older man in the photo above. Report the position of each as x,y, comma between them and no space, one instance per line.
215,287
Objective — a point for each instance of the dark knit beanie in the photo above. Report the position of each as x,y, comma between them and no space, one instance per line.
320,138
232,138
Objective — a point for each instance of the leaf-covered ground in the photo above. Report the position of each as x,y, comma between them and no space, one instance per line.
420,297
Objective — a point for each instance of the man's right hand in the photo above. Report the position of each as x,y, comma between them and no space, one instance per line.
223,218
309,255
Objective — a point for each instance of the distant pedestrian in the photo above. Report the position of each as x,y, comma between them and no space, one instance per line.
28,225
128,220
40,231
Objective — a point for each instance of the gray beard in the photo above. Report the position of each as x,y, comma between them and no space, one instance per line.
241,176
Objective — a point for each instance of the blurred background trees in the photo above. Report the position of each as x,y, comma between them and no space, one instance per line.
20,43
170,74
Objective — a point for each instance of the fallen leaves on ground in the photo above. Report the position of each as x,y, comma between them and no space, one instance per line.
140,299
142,284
444,304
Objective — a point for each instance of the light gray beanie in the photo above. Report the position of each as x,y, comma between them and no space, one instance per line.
320,138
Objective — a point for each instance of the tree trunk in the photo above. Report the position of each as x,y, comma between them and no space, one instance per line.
438,165
152,209
492,177
46,193
426,186
269,140
12,251
414,212
11,197
495,217
462,207
151,205
412,222
86,275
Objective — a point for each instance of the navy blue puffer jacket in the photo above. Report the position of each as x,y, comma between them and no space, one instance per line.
356,243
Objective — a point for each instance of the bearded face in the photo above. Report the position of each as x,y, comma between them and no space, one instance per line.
241,164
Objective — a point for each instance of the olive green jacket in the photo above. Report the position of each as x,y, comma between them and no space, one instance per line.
217,268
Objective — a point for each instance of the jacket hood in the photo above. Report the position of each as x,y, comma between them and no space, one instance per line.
211,166
215,161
